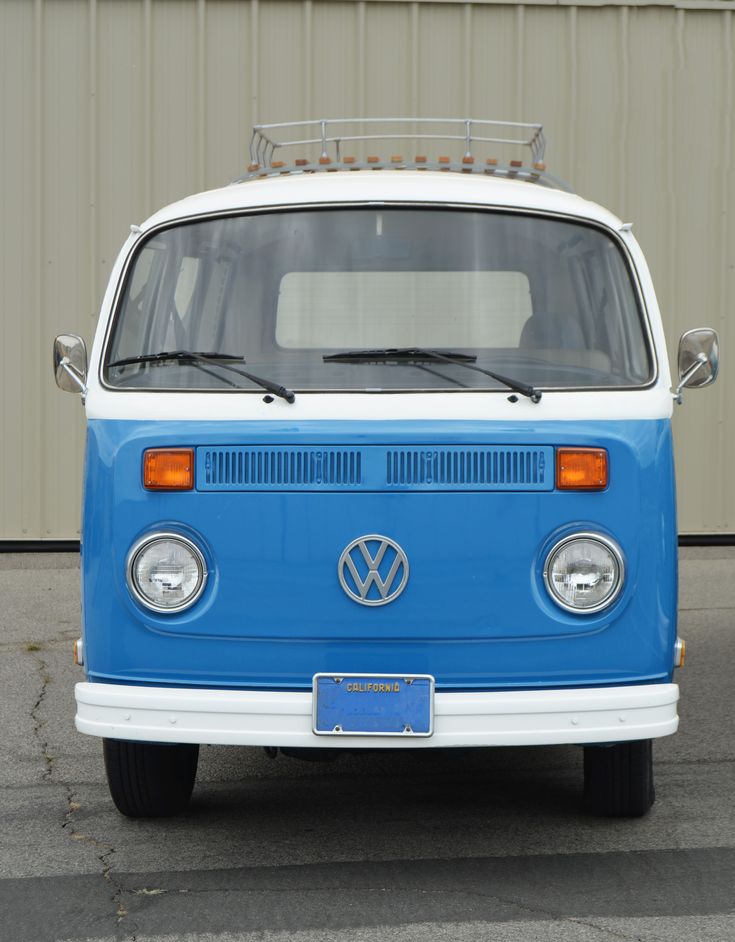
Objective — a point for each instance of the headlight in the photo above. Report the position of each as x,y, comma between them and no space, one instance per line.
166,572
584,573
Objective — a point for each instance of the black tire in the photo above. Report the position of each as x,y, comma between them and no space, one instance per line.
618,780
150,780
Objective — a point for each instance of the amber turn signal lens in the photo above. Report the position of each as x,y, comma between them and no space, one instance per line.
680,652
581,469
168,469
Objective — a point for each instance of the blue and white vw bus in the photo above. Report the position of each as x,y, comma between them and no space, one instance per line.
379,457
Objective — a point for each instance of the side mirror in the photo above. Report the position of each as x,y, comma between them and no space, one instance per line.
70,363
699,359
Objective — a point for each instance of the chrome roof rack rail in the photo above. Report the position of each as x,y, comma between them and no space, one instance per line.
328,135
467,130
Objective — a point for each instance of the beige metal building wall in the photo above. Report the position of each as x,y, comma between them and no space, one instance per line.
111,108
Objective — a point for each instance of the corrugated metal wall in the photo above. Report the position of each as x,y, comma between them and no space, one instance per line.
111,108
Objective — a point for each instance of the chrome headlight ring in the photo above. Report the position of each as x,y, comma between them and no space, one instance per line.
196,559
604,543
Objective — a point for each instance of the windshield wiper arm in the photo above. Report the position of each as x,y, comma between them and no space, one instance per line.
407,354
222,360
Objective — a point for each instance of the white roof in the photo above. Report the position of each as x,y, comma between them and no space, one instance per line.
391,186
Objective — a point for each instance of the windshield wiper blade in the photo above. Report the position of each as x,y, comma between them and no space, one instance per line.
387,354
175,355
416,354
222,360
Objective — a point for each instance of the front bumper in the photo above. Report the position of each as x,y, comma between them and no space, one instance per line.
284,718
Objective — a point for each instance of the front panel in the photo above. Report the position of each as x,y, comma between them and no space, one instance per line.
473,506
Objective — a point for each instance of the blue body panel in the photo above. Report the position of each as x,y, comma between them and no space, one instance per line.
474,614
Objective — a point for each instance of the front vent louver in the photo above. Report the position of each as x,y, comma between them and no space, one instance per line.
278,468
375,468
496,468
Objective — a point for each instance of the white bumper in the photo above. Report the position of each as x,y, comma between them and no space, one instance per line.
273,718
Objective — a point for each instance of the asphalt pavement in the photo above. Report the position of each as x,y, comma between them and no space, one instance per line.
466,845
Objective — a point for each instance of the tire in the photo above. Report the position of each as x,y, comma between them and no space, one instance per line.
618,780
150,780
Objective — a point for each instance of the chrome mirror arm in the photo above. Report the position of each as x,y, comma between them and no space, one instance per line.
66,365
700,361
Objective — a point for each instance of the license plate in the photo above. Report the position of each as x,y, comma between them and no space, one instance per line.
373,705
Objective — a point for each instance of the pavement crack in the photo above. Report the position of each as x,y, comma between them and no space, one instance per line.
106,852
522,906
39,723
604,930
550,914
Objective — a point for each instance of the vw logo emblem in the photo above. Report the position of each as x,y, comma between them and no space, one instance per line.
373,570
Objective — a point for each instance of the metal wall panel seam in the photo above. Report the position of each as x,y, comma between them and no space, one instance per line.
467,56
520,24
678,56
573,84
254,63
307,14
93,169
202,93
681,61
31,398
722,439
361,58
625,109
147,109
415,55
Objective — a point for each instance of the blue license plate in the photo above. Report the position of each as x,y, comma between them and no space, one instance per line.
373,705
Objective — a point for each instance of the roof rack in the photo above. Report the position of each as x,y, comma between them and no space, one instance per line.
263,146
329,135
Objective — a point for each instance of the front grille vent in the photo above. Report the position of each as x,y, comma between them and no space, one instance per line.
495,468
284,468
375,468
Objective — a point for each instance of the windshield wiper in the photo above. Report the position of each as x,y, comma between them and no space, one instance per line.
417,354
176,355
388,354
222,360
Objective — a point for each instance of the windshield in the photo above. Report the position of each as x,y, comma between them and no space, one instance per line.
548,302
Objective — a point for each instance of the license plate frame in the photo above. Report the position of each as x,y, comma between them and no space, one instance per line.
361,705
